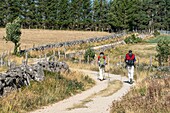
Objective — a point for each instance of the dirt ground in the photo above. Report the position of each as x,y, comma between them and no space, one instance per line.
97,104
39,37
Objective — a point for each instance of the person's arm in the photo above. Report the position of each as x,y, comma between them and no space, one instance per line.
98,61
125,62
135,59
105,59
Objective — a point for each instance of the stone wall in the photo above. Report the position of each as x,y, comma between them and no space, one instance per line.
19,76
76,42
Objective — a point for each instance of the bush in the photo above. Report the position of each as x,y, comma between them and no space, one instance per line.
133,39
89,53
156,33
163,51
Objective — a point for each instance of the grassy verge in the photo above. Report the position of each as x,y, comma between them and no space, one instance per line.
158,38
150,96
54,88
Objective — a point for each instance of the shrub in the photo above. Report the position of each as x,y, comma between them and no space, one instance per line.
163,51
156,33
89,53
133,39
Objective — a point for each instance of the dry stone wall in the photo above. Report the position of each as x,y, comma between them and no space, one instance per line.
19,76
76,42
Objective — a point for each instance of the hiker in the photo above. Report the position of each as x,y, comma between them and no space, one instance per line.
102,63
130,63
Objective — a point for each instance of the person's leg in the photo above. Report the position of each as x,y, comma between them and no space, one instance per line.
132,72
129,72
100,73
103,75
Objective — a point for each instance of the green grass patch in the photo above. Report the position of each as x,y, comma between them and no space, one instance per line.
54,88
158,38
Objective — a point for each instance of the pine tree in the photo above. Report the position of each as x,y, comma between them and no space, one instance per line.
63,14
137,16
12,9
96,13
118,18
2,13
86,13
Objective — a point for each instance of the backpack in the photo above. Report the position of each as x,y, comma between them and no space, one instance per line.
102,61
130,59
130,62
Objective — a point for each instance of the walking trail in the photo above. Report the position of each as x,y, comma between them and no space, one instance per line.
98,104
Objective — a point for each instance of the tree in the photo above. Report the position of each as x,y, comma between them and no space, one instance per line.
136,15
96,13
118,15
86,14
63,14
2,13
89,55
163,50
13,33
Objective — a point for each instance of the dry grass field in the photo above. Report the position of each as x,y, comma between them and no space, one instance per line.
39,37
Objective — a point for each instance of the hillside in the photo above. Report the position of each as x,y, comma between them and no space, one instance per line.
39,37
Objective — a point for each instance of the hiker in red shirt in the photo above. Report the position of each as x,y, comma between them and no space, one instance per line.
130,62
101,63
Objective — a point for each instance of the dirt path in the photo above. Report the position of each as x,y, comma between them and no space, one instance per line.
97,105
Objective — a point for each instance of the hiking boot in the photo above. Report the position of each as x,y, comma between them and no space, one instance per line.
100,79
131,81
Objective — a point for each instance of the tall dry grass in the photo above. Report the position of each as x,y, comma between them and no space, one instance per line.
54,88
35,37
149,96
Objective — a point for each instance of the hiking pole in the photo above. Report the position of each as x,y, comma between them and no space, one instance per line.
109,69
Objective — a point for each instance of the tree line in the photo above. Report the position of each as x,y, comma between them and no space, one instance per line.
103,15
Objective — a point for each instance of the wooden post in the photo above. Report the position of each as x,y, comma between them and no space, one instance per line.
26,58
39,58
7,52
150,60
59,55
65,53
1,62
54,53
80,59
88,59
9,63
